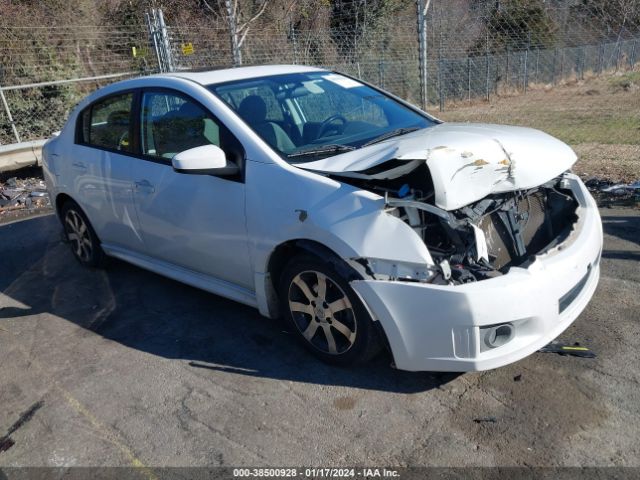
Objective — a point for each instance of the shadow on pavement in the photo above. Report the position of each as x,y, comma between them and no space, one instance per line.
150,313
623,227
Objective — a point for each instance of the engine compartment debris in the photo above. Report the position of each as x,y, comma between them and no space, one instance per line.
483,239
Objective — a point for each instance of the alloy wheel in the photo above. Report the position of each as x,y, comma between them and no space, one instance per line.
78,235
322,312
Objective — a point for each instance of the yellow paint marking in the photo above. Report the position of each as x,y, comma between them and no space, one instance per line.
95,423
575,348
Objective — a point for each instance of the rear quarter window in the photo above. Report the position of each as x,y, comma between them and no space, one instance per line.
107,123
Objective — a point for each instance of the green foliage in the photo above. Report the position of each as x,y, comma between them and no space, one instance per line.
517,25
358,18
610,16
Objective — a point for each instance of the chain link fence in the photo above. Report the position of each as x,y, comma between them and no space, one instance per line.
570,67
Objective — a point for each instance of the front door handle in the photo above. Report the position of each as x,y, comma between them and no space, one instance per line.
144,186
79,166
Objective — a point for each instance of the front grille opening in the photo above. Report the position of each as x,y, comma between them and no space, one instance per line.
545,215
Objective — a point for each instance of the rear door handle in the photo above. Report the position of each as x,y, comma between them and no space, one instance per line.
144,186
79,166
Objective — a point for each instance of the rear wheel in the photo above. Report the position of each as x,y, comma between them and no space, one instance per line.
81,236
326,314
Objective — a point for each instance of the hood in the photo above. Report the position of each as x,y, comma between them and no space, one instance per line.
467,162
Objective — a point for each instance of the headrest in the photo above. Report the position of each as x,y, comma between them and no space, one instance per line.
253,109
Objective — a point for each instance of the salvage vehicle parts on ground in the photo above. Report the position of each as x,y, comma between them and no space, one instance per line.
362,220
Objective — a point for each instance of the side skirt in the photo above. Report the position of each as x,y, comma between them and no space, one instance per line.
195,279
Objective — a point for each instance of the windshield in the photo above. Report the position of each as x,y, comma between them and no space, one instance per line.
309,116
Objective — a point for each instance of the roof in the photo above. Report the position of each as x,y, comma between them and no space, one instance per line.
241,73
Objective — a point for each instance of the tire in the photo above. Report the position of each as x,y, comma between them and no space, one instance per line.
325,314
81,236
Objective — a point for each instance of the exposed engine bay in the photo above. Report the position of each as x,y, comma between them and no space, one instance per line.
480,240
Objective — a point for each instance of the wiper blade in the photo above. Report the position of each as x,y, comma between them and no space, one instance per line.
393,133
321,149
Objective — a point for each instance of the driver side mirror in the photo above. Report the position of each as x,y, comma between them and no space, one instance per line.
204,160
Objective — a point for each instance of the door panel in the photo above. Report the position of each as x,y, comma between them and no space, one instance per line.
101,171
195,221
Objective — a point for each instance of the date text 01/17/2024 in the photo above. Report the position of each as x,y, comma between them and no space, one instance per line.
316,472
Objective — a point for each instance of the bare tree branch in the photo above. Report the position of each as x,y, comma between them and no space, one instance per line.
254,18
210,8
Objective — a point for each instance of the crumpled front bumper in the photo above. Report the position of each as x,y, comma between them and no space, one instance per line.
437,328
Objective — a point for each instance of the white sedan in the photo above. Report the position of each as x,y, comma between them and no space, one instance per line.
361,219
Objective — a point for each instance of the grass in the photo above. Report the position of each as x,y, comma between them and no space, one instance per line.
598,117
626,81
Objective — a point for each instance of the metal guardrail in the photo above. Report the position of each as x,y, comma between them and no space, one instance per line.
20,155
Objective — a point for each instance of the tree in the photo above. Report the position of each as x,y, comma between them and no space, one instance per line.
351,20
239,21
611,17
515,25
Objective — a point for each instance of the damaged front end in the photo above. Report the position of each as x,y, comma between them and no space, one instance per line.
486,238
483,198
478,241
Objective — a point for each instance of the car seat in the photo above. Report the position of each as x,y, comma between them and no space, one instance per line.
253,110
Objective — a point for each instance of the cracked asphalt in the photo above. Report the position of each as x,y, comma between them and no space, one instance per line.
123,367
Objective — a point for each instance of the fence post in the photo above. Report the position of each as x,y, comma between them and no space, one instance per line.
152,33
555,59
9,117
507,80
487,58
294,42
381,73
469,77
160,38
497,73
526,69
526,63
440,89
423,7
166,45
600,58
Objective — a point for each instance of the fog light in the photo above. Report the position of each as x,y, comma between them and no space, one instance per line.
496,336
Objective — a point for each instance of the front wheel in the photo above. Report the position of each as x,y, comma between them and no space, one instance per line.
326,314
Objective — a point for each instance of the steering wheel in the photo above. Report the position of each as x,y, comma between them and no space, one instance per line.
326,126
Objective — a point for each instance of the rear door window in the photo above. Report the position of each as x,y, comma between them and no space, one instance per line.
107,123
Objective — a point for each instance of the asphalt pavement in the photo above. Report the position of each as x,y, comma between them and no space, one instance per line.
122,367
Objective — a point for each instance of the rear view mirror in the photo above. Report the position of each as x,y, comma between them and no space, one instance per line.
205,160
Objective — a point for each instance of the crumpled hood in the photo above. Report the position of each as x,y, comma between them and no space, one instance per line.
467,162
